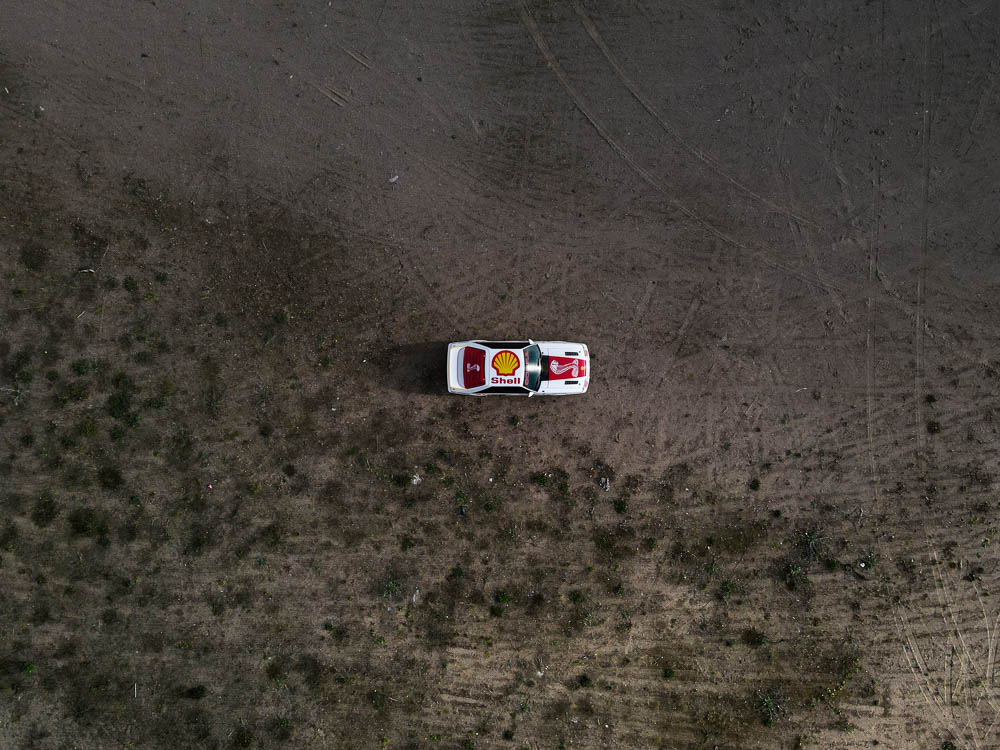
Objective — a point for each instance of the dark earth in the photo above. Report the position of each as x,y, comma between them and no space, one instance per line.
238,507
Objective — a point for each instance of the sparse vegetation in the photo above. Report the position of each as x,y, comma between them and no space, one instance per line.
771,705
45,511
237,509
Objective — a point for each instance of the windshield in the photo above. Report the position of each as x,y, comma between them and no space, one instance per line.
532,367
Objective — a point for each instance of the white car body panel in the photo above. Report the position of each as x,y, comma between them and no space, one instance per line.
481,367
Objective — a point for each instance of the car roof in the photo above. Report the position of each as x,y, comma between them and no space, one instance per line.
502,344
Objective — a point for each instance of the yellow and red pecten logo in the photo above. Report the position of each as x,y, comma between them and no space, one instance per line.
505,362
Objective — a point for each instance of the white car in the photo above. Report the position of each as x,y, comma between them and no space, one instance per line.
518,368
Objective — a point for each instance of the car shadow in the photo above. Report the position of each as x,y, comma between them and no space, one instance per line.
418,368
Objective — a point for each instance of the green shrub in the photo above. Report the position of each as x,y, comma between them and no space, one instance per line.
771,706
119,404
88,521
87,427
44,512
242,738
110,478
8,536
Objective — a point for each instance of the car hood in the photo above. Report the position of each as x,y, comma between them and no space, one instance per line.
567,367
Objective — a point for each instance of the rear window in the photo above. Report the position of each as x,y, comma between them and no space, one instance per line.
472,367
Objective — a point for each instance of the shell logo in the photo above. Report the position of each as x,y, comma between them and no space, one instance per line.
505,362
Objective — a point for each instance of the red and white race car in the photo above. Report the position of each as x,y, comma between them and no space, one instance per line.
518,368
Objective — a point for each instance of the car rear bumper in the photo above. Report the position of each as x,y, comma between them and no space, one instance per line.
454,379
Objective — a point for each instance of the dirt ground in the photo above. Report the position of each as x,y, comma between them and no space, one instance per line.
238,507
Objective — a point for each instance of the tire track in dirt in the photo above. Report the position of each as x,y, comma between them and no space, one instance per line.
985,95
918,668
797,228
403,256
961,702
643,173
918,377
693,150
873,246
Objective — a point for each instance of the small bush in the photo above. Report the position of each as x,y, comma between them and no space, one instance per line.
119,404
771,706
242,737
200,538
110,478
8,536
392,585
88,521
213,398
539,478
34,257
793,575
726,589
87,427
73,391
282,729
44,512
195,693
811,544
